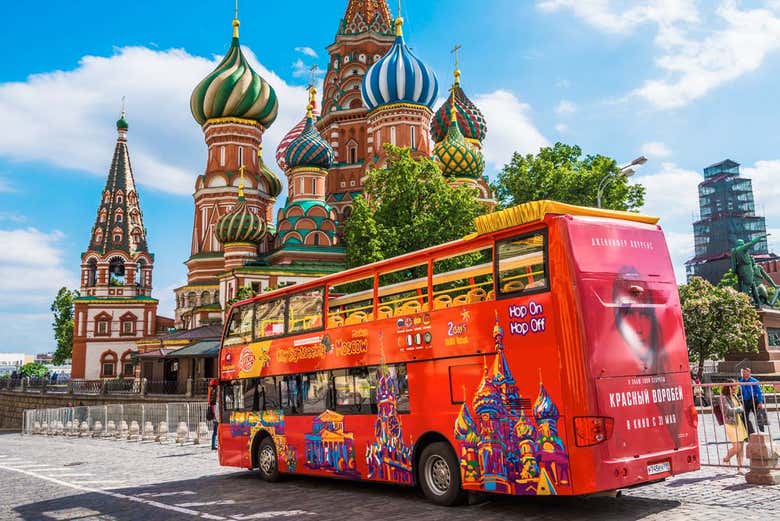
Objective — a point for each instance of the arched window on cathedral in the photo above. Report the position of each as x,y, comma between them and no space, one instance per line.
98,236
392,135
116,271
103,214
127,324
137,237
139,277
91,273
222,155
205,298
108,362
103,324
192,299
119,199
352,152
118,216
347,212
240,156
413,137
128,369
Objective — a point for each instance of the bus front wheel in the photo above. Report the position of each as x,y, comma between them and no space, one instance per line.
439,475
267,463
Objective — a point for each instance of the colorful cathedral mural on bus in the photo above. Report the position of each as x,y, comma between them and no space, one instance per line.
329,448
272,421
502,449
389,458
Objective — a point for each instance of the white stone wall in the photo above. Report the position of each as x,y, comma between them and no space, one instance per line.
95,349
143,322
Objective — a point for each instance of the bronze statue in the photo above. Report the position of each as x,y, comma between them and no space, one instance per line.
750,275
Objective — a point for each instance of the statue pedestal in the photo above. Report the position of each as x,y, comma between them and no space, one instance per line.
766,362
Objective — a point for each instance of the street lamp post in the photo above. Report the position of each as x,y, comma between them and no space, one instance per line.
625,171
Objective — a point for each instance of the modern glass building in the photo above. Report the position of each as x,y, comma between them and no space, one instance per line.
727,213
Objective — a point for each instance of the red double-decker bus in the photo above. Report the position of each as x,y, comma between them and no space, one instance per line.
544,354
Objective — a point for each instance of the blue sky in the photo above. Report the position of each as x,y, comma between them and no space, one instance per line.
685,82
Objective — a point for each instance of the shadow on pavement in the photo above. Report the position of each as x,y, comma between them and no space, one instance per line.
242,496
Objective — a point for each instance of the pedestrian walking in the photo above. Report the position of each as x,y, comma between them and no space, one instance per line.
212,415
733,422
752,400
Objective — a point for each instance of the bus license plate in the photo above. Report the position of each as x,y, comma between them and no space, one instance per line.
658,468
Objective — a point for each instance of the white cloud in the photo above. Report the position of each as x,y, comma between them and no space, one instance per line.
565,108
31,267
655,149
697,51
166,144
562,128
511,128
308,51
766,190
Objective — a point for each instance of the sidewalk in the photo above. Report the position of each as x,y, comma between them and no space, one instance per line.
724,492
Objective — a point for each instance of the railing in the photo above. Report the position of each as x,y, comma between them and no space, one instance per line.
119,386
179,422
722,435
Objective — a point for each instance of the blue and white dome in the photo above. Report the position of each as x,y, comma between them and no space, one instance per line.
399,77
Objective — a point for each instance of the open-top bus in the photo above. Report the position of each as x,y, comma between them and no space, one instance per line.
543,354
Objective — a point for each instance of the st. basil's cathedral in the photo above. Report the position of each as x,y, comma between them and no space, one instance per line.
375,91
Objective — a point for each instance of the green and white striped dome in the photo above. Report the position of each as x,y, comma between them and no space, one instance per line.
240,225
234,90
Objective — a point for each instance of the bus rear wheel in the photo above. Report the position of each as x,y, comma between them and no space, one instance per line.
439,475
267,462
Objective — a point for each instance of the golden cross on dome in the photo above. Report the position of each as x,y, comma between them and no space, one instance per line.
123,105
399,22
455,51
314,68
236,23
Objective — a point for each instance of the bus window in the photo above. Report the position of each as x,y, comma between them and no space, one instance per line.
269,394
355,390
290,387
522,264
233,398
269,318
463,279
251,394
395,375
351,303
403,292
314,392
305,311
239,330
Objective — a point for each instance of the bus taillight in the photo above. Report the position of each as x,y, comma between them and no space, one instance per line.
592,430
693,416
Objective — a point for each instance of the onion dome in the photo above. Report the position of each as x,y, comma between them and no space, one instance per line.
465,426
296,131
234,90
524,430
271,179
240,225
458,157
121,123
470,119
399,77
544,408
309,149
487,399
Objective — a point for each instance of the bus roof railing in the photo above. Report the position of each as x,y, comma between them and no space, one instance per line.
534,211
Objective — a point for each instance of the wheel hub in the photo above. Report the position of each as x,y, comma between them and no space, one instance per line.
267,460
437,475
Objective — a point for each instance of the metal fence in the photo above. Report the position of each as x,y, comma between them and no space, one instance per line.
123,386
723,434
172,422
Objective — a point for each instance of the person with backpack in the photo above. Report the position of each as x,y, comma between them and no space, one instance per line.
212,415
731,416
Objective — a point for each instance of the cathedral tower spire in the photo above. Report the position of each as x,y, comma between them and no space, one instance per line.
234,106
115,307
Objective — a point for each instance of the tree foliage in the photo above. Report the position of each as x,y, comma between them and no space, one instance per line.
561,173
33,369
62,307
407,206
243,293
718,320
729,280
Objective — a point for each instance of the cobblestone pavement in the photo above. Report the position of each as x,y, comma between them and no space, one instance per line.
62,478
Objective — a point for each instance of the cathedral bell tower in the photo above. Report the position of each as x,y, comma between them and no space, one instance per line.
115,307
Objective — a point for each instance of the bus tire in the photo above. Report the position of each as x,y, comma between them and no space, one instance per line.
267,462
439,475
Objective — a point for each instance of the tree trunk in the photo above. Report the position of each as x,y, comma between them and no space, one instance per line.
700,371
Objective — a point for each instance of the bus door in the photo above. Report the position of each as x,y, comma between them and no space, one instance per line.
635,343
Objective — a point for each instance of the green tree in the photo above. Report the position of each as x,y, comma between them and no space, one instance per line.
33,369
561,173
408,205
243,293
62,307
718,320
